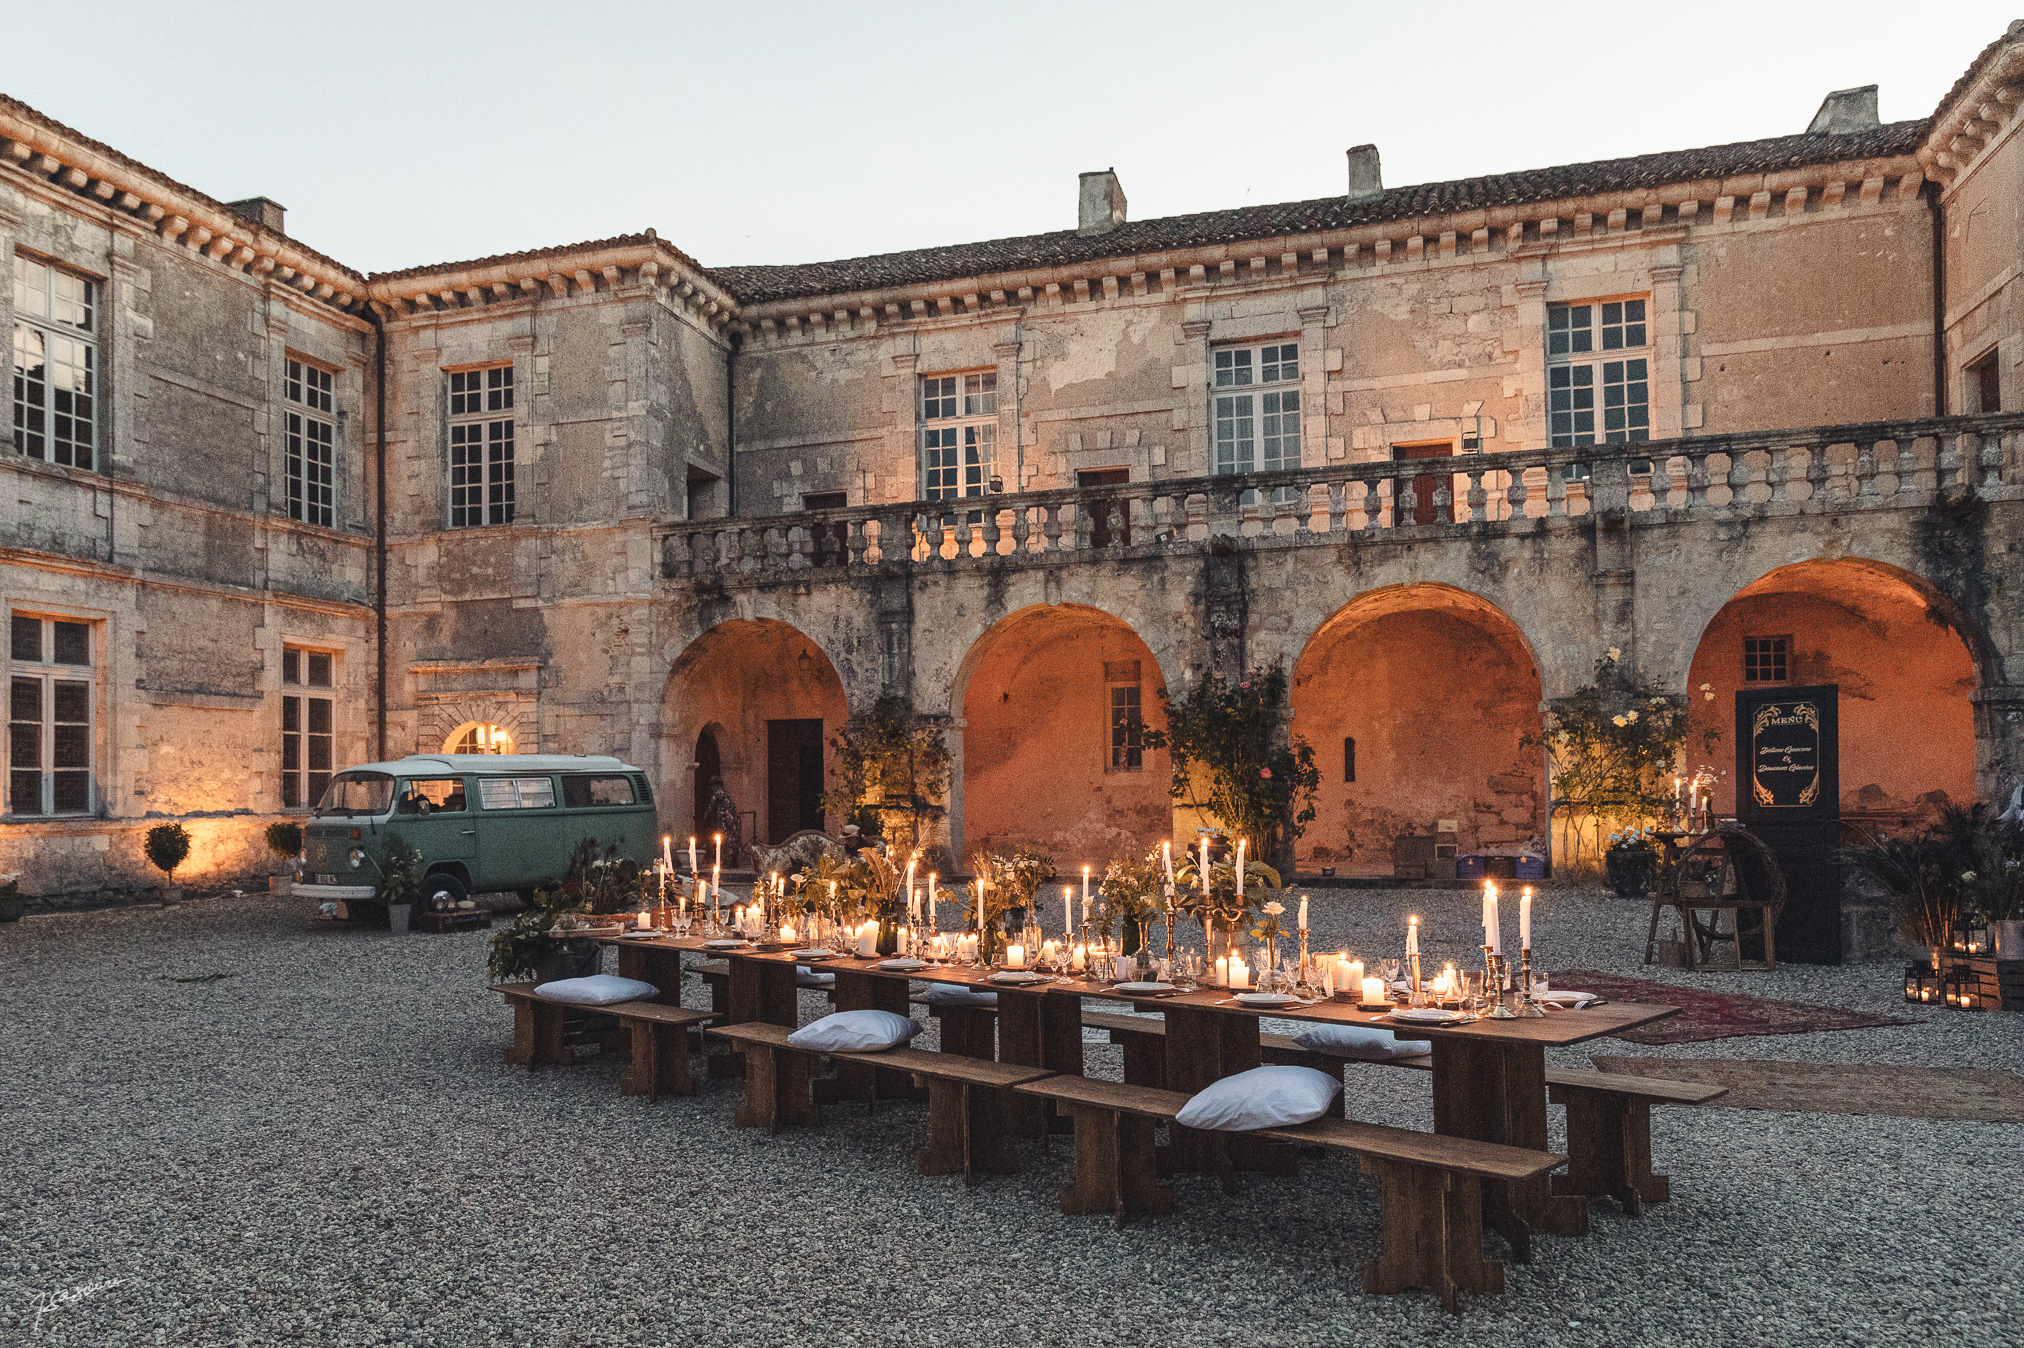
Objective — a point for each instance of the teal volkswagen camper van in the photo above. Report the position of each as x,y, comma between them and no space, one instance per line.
482,822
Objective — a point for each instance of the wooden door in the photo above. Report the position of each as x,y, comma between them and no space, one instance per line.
1426,484
793,777
1110,520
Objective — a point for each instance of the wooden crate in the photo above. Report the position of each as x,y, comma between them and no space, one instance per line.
1998,985
456,919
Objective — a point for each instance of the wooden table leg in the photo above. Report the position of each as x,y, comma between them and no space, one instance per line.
660,1061
1433,1234
776,1090
1039,1029
1496,1092
1204,1046
537,1035
657,965
966,1132
1609,1149
856,990
762,990
971,1031
1116,1166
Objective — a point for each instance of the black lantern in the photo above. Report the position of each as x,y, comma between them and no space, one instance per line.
1971,934
1962,990
1922,983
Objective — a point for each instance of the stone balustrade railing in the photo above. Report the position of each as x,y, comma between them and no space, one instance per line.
1875,465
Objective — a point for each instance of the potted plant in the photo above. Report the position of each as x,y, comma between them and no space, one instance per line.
525,947
168,846
12,905
400,883
1632,863
284,840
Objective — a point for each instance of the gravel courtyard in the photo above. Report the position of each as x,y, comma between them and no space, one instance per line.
323,1147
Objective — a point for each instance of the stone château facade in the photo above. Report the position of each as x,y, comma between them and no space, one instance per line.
1737,412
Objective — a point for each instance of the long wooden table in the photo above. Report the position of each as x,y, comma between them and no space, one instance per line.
1489,1077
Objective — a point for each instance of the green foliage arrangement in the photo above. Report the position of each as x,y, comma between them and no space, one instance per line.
520,947
1220,908
167,846
1967,860
400,879
894,770
605,882
285,840
1612,752
1229,760
1133,894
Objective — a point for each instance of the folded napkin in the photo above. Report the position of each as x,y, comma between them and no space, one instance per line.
956,994
1572,1000
808,978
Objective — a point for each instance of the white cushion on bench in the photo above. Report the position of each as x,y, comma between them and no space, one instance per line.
956,994
596,990
1264,1097
808,978
855,1032
1365,1043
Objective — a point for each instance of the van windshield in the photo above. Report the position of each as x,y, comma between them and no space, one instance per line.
353,793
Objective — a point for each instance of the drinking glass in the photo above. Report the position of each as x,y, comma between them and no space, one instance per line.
1472,991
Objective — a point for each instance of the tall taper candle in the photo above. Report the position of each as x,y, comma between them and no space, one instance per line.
1241,844
694,869
1525,918
1303,912
1413,936
668,850
719,861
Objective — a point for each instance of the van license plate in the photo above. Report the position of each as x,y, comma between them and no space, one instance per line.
322,879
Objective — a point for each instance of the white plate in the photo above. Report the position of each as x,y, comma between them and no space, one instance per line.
1144,987
723,945
1267,998
1015,976
902,964
1428,1015
812,953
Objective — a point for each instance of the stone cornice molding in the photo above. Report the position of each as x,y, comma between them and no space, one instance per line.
178,214
647,266
1972,119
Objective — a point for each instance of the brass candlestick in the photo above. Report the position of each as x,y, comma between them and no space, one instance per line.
1418,997
1528,1005
1304,973
1494,966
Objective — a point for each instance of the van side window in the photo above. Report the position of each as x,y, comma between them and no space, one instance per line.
443,796
516,793
646,792
580,792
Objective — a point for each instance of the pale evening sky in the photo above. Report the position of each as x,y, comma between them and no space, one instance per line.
399,134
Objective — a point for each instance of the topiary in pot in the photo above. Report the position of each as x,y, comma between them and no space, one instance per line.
284,840
168,846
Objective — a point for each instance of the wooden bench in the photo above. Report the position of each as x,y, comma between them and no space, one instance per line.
1609,1132
545,1031
1431,1184
1609,1129
966,1108
777,1077
660,1047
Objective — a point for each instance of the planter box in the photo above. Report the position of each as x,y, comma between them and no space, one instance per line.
1999,983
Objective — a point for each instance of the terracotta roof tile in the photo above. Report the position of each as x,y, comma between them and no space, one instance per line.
753,285
533,254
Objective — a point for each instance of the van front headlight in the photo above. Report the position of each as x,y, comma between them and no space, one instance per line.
357,857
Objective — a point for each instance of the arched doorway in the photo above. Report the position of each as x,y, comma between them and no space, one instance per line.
1416,699
1054,701
478,737
1888,643
753,702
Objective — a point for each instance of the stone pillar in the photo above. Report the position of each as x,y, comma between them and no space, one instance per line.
895,599
1999,741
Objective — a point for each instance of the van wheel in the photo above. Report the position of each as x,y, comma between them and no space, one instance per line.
442,882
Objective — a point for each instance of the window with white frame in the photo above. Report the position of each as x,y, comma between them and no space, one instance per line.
959,434
49,716
308,725
309,470
1598,373
1256,406
55,364
481,446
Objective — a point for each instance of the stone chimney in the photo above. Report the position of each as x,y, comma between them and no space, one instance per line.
262,211
1366,180
1099,208
1844,112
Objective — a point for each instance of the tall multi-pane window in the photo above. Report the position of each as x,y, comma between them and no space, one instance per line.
959,434
1256,405
55,365
306,725
310,468
49,714
481,446
1594,395
1127,715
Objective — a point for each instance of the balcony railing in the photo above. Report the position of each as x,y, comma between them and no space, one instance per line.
1876,465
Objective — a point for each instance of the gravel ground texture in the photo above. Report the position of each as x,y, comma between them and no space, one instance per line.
323,1147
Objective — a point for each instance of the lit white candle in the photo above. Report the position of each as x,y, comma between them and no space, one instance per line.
1413,936
646,920
1205,865
668,850
1493,934
1049,952
931,901
1341,973
693,867
1068,901
1222,979
1167,856
1303,912
910,871
719,861
1373,992
1085,893
787,931
1240,972
1353,981
1078,958
1525,918
1242,843
867,939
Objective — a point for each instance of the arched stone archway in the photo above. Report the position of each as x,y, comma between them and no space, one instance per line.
1041,763
769,698
1894,649
1415,699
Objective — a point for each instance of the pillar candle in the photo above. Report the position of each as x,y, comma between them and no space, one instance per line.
867,939
1050,952
787,931
1125,969
1373,992
1222,979
646,919
1354,982
1525,918
1303,912
1413,936
1015,956
1240,972
1078,958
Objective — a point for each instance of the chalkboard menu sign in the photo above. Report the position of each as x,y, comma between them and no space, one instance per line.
1785,757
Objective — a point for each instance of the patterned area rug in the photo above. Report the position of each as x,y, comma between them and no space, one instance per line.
1979,1095
1714,1015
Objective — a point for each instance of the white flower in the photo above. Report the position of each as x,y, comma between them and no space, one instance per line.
1631,715
1968,875
1275,908
1618,720
1614,653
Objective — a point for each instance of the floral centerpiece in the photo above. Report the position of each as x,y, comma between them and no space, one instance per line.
1131,895
1221,911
